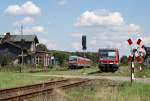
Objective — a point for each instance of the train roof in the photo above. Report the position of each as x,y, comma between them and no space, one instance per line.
107,49
74,56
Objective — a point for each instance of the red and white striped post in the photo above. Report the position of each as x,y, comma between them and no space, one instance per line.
131,59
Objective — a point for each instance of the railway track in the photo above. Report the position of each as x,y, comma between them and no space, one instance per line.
24,92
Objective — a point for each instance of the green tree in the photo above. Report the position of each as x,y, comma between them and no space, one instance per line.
124,60
41,47
61,56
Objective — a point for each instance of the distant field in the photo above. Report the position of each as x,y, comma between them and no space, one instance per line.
101,90
83,71
123,71
8,79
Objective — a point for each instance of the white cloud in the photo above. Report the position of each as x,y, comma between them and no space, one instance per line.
145,39
114,39
39,29
34,30
128,28
106,29
28,8
76,35
50,45
62,2
24,21
76,46
100,18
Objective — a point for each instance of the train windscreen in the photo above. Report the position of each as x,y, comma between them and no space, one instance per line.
71,58
107,54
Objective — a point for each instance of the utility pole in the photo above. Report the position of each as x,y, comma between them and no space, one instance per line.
22,47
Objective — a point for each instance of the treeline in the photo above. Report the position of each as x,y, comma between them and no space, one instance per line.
63,56
124,60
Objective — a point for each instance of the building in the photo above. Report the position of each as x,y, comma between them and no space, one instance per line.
147,57
42,58
22,49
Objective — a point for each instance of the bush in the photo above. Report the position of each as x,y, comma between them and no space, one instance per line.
124,61
10,68
5,59
62,57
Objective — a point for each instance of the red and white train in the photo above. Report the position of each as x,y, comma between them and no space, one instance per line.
108,59
78,62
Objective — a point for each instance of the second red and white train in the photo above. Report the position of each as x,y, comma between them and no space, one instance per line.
78,62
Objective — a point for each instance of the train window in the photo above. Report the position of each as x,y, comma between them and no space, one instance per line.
72,59
108,54
112,54
103,54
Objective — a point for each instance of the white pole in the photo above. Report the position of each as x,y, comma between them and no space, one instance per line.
132,71
140,68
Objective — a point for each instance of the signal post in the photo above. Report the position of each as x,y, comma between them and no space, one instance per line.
84,47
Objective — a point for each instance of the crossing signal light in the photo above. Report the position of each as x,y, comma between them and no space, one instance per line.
84,42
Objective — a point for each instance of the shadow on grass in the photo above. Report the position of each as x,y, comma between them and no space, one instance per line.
37,71
96,72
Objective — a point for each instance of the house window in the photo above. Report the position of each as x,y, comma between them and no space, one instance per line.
38,60
33,61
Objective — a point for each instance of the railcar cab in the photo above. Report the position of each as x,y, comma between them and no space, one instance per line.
108,59
72,61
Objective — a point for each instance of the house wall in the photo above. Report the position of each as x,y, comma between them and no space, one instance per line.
30,46
9,50
42,59
33,47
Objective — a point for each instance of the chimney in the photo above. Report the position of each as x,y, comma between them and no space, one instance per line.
7,36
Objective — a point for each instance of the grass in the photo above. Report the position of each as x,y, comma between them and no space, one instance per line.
122,71
144,73
105,90
83,71
90,92
101,90
9,79
136,92
125,71
93,70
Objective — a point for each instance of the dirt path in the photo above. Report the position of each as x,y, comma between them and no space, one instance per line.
115,78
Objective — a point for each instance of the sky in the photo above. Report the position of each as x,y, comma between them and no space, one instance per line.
60,24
